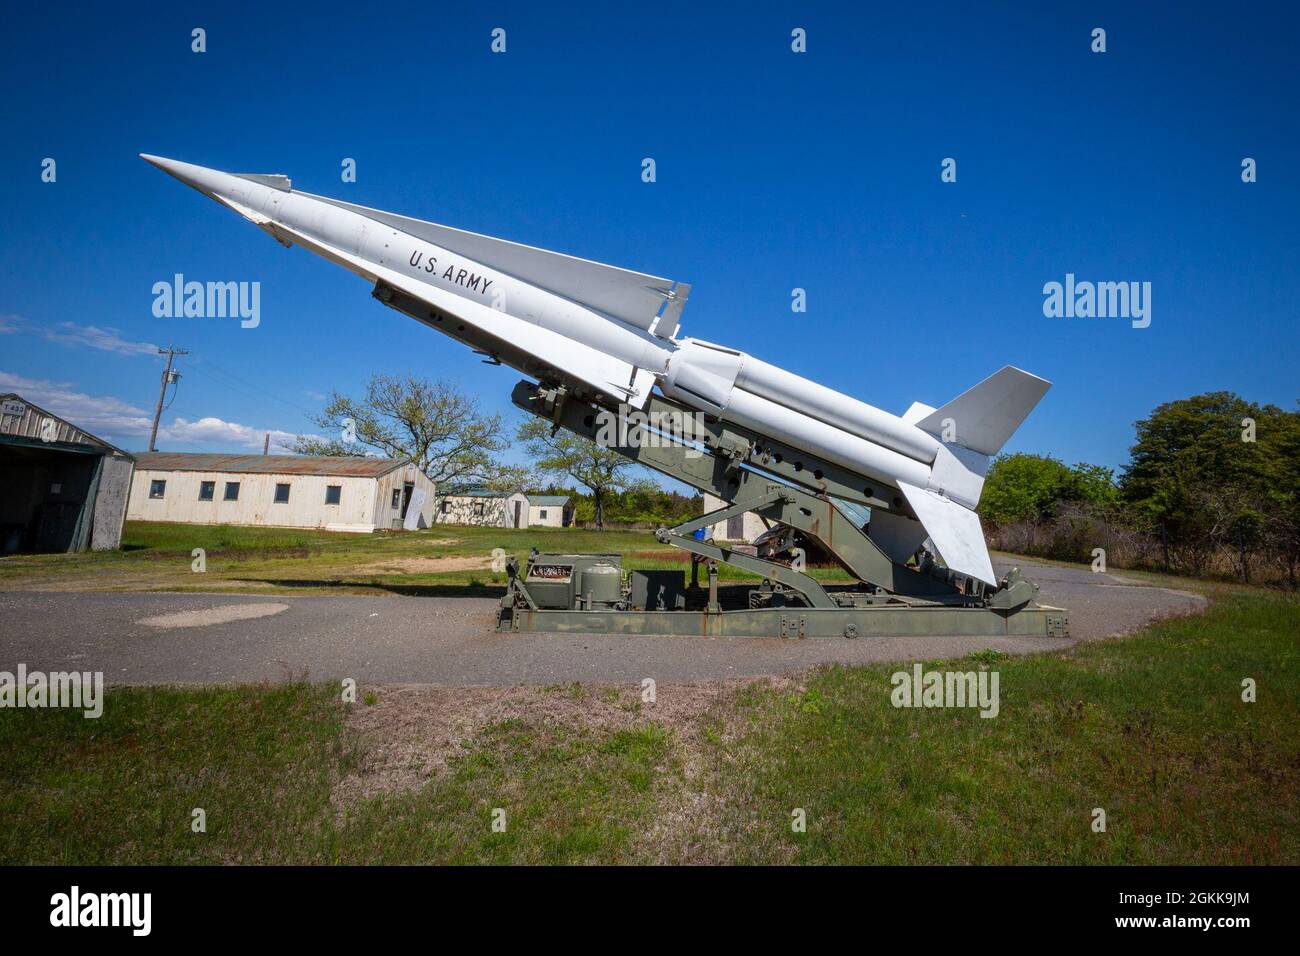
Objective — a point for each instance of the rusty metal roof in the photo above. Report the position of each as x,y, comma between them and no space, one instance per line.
266,464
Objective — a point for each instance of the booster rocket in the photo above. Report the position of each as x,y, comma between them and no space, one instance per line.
611,334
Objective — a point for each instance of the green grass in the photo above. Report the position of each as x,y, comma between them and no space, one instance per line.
158,557
1151,728
122,788
568,794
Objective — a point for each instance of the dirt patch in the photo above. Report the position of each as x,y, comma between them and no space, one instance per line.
411,731
222,614
426,565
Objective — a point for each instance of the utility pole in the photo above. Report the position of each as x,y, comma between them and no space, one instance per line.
266,444
168,377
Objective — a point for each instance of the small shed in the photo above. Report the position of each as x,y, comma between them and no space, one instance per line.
486,507
61,488
550,511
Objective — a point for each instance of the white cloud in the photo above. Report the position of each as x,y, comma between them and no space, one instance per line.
118,421
215,431
92,336
104,338
99,415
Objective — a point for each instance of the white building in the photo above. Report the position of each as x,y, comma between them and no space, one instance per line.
484,507
550,511
287,491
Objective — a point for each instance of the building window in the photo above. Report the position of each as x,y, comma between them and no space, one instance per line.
206,490
397,498
541,515
157,488
333,493
281,494
232,491
56,488
446,507
478,509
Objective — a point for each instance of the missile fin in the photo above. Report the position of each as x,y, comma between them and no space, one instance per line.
916,412
274,180
631,297
954,530
898,536
985,416
958,473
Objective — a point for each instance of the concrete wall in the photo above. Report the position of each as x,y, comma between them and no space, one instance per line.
110,502
494,512
752,525
256,505
554,517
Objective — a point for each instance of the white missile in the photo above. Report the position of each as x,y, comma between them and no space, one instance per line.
613,332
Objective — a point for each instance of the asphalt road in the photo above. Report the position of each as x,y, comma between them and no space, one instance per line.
148,638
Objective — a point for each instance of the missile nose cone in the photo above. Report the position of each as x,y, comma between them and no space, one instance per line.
171,167
207,181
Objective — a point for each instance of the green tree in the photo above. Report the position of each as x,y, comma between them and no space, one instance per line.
600,470
1282,523
1213,471
1096,485
433,424
1024,487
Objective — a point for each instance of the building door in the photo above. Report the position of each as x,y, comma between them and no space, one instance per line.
736,528
407,489
518,507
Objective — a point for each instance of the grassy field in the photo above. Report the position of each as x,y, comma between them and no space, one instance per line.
441,560
1151,728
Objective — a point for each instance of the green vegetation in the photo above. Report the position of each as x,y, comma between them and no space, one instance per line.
1030,487
1150,728
642,503
446,559
600,468
433,424
1212,488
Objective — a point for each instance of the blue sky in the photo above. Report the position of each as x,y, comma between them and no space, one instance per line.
775,170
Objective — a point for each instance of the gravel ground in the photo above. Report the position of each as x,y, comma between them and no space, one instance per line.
149,638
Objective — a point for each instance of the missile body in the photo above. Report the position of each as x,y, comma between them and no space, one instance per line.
612,333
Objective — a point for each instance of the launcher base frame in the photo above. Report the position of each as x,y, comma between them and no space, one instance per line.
793,623
786,488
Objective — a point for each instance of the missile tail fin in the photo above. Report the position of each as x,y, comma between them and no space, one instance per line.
982,418
954,530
